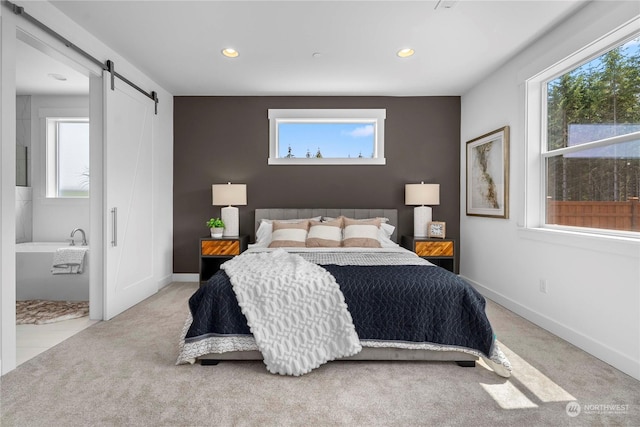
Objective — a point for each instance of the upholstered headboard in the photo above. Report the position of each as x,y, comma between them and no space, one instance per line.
276,213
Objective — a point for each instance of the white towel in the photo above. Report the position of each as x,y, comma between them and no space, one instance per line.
68,260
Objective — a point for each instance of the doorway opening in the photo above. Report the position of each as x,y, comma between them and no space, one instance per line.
53,198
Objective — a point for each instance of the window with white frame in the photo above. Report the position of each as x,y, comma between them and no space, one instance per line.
326,136
589,129
67,157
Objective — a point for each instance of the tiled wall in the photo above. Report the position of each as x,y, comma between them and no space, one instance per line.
24,215
23,139
24,195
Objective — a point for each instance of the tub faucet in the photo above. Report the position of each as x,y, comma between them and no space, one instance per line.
84,237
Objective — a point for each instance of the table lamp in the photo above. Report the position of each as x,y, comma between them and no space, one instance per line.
421,194
227,195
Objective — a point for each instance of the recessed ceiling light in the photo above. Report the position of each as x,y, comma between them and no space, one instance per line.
405,53
230,53
57,77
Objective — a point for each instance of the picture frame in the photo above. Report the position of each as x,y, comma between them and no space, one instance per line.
436,229
487,172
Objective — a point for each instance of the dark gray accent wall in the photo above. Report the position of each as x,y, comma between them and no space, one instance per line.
221,139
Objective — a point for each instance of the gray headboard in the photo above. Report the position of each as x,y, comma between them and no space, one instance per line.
276,213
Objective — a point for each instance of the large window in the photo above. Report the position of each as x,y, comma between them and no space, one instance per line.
321,137
591,141
67,153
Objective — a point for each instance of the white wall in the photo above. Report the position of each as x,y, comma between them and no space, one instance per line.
163,193
593,298
54,219
7,193
162,145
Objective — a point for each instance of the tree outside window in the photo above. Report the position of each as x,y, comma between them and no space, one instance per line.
593,142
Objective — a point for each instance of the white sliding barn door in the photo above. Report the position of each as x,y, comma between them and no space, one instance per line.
128,205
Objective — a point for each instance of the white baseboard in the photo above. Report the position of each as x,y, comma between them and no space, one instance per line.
596,348
165,281
185,277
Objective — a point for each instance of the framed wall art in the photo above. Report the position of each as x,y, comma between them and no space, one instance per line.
488,174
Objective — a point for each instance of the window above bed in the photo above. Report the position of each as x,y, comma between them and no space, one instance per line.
326,136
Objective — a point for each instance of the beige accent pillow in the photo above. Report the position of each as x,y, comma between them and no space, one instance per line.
263,234
289,234
361,233
325,234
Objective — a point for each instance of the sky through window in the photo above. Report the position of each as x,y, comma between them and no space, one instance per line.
331,140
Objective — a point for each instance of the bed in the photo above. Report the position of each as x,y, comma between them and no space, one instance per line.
392,304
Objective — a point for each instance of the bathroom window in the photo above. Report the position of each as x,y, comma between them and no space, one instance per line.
326,137
67,168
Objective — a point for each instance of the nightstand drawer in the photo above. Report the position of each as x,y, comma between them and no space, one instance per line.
441,252
433,249
215,251
220,247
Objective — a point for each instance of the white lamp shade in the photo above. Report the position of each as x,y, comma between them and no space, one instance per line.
229,194
421,194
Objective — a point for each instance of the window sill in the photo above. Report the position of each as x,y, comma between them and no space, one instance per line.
611,244
64,201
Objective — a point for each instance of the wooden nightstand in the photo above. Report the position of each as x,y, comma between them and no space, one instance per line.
441,252
215,251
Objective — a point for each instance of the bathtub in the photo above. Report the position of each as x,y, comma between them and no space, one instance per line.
35,281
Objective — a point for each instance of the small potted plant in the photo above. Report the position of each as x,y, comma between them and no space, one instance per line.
216,226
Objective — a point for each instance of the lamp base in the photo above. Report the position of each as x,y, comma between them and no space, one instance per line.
421,218
230,216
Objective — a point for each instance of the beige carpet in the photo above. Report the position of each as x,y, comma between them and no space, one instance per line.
122,373
40,312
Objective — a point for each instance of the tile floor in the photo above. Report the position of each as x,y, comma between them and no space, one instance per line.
32,340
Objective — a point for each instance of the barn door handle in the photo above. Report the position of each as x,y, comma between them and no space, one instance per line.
114,231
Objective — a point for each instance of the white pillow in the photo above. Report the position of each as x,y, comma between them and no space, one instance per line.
384,236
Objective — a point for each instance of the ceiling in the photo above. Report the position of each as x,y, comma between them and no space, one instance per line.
317,47
38,73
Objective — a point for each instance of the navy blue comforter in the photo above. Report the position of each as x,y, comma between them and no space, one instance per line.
413,303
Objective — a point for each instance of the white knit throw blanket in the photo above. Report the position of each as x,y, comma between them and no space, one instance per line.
295,310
